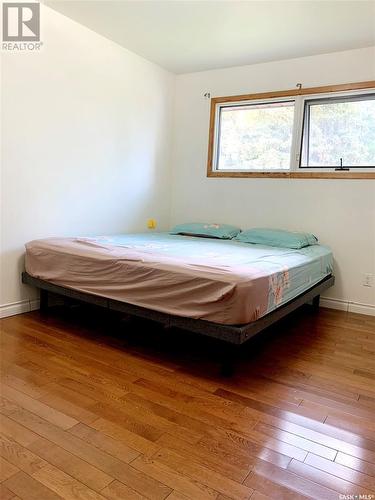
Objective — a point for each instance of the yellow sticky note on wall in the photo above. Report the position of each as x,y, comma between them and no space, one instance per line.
151,224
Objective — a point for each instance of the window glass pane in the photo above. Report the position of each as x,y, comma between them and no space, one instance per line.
255,136
339,129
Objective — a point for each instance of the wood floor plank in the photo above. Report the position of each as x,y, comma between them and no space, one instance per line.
93,455
27,386
326,479
349,423
110,465
181,483
58,390
128,421
94,390
291,481
355,463
175,495
203,474
259,496
105,443
298,441
207,414
235,466
327,440
338,374
19,456
7,469
17,432
64,485
119,491
116,432
6,493
73,410
303,428
141,422
166,408
187,415
253,442
90,412
39,361
341,471
87,474
191,394
236,447
38,380
261,387
28,488
320,405
260,407
272,489
364,373
35,406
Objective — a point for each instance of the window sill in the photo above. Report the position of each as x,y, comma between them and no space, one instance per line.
295,175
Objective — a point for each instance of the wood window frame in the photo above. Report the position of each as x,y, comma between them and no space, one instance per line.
293,174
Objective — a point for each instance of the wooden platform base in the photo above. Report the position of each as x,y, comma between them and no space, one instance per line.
98,406
233,334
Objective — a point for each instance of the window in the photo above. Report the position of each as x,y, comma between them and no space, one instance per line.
339,131
251,136
328,130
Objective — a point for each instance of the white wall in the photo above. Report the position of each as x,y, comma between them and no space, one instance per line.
340,212
86,143
86,127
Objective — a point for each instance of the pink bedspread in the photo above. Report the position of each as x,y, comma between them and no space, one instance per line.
190,287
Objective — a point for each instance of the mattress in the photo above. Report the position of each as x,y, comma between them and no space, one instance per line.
223,281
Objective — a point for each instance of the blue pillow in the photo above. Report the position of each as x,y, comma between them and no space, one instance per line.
221,231
277,238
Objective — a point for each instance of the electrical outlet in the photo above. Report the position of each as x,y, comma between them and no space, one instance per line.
368,279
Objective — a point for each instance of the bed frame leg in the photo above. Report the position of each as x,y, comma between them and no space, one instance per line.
316,303
43,301
229,360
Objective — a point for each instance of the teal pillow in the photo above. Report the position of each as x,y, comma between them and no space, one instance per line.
277,238
222,231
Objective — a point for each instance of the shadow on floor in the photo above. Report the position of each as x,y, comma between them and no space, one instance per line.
179,349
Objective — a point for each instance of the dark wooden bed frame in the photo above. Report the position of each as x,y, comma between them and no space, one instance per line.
233,335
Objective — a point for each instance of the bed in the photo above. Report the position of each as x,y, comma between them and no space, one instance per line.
221,288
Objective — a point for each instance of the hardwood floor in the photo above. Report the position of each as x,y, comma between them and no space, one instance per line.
95,406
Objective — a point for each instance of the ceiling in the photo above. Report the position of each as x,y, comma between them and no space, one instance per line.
188,36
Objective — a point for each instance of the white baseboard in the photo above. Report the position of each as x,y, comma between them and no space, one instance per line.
346,305
19,307
342,305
